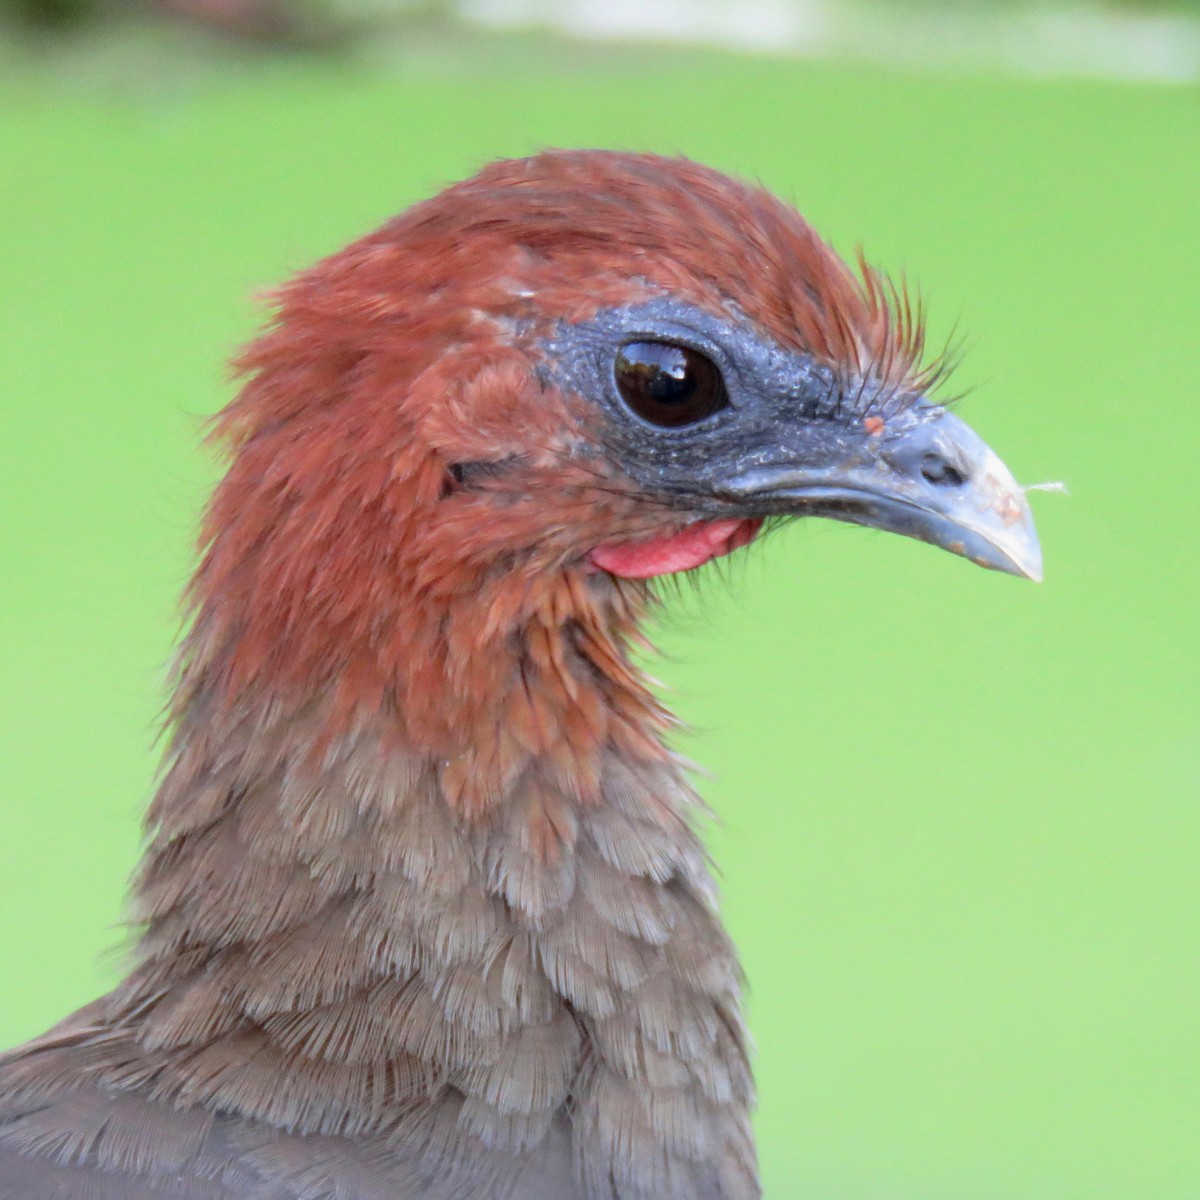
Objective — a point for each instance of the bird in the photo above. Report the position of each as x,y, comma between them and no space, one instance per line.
424,911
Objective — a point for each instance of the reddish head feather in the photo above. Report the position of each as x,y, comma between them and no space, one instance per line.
336,546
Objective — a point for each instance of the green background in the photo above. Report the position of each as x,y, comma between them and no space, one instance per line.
960,835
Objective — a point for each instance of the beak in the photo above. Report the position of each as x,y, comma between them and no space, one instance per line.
937,481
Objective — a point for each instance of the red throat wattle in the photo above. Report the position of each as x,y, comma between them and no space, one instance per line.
690,547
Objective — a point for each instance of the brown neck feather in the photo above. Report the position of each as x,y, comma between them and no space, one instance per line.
453,945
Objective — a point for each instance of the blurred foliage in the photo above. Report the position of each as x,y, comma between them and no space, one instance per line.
329,24
301,23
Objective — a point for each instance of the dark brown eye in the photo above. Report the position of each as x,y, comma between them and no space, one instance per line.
669,385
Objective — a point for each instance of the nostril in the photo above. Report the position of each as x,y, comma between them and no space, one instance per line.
940,473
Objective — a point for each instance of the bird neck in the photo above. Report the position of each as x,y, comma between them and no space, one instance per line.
345,929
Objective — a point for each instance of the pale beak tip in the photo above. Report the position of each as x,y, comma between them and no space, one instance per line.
1031,569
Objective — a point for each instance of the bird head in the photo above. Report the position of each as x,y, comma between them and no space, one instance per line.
584,364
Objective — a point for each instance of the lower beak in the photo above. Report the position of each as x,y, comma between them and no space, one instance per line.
937,481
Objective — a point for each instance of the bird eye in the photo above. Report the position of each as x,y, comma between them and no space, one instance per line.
669,385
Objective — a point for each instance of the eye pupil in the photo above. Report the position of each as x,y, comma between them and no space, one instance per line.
669,385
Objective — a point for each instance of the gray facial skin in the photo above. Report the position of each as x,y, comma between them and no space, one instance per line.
797,439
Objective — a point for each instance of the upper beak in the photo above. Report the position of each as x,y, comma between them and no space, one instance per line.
937,481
